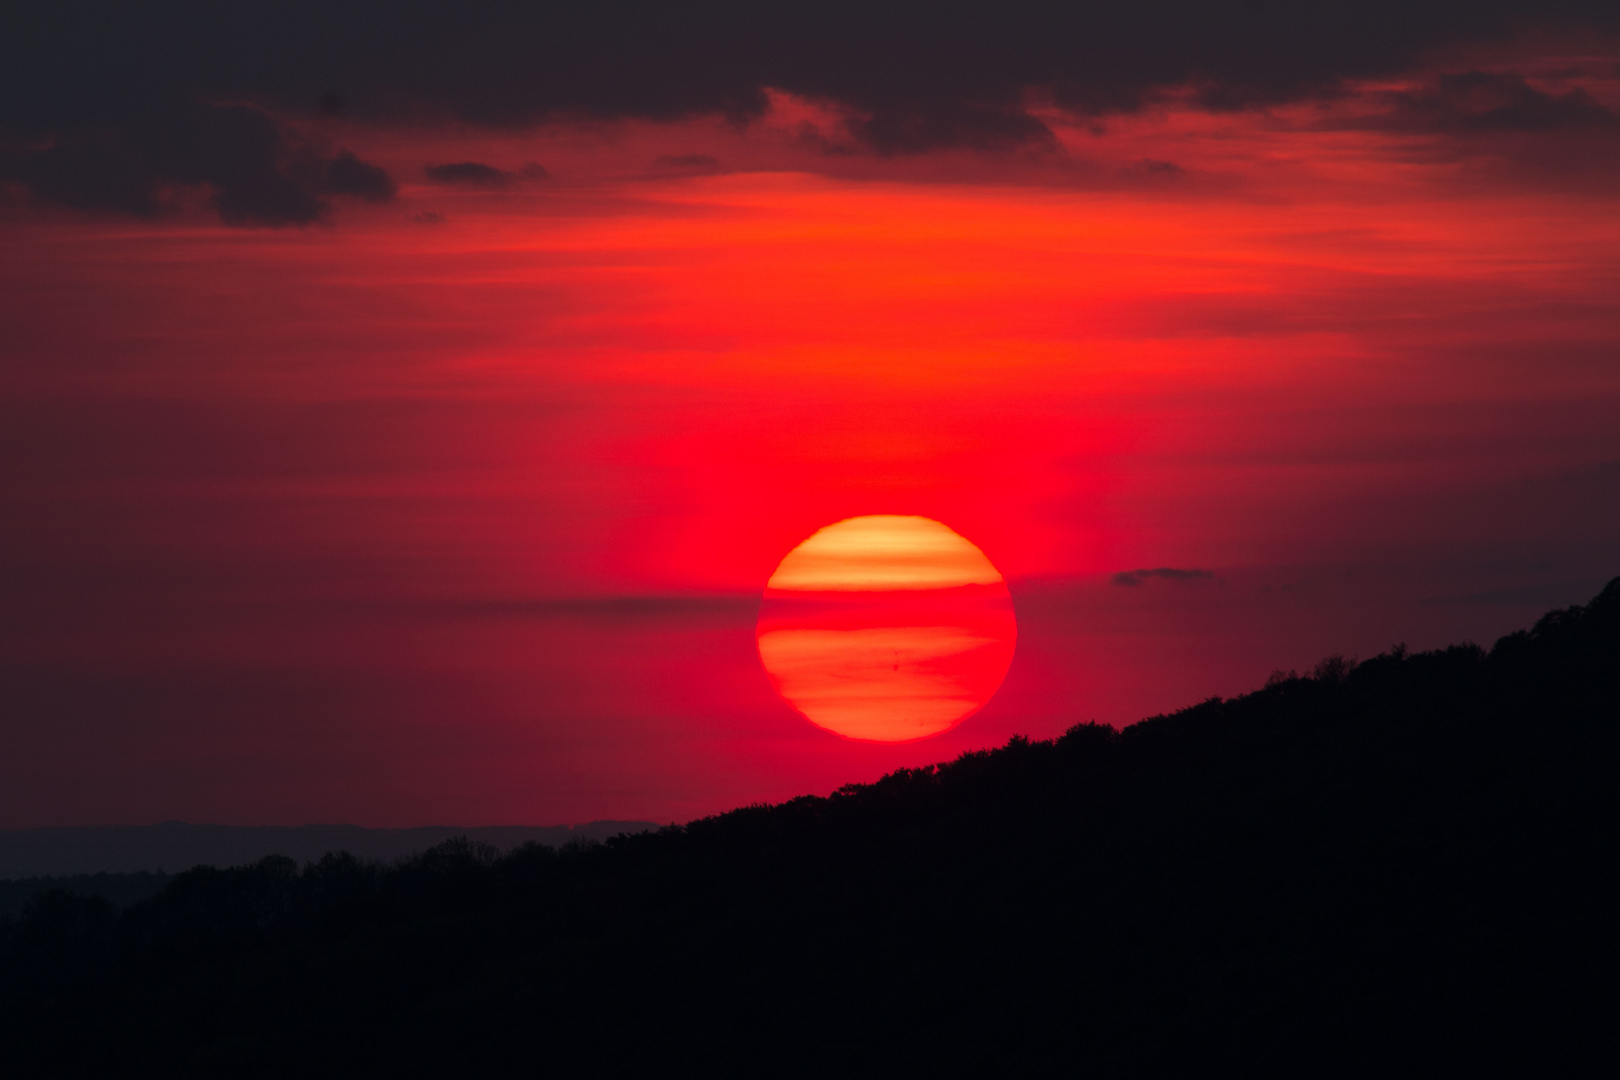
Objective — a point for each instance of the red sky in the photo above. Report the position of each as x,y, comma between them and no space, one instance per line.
456,508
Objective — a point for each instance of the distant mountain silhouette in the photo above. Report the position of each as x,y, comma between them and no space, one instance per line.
1398,867
174,846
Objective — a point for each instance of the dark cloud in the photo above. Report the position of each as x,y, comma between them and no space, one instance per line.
729,607
468,174
348,175
1485,102
94,93
478,175
1133,578
1537,130
686,163
1154,169
255,172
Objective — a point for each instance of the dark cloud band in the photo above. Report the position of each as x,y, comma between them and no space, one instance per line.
101,103
258,172
1133,578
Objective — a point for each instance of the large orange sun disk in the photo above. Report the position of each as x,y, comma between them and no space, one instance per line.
887,628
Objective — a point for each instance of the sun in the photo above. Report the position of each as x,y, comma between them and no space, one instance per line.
887,628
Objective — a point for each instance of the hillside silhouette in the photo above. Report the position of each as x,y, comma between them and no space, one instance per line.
1405,865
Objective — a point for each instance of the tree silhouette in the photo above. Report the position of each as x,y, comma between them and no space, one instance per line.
1397,865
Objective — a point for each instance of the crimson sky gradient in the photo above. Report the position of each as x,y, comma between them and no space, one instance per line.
457,505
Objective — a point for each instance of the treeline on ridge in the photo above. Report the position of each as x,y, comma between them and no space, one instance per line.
1402,865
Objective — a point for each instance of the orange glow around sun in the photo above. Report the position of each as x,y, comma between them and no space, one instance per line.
887,628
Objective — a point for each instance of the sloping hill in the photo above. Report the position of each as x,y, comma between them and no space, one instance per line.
1405,866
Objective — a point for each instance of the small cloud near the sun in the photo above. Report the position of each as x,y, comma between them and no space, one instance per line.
1134,578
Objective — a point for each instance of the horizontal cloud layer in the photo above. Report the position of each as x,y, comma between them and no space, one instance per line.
1132,578
102,104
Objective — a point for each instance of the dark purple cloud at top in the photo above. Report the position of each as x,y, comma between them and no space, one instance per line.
102,104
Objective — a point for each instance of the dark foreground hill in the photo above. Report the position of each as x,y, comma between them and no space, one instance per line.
1403,867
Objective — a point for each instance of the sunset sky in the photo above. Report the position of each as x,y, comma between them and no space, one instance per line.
400,418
